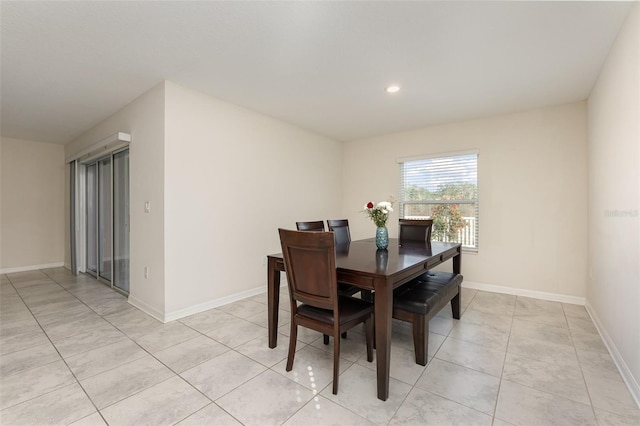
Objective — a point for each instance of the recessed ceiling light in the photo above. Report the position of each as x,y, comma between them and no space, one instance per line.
392,89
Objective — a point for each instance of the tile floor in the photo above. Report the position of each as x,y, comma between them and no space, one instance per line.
74,352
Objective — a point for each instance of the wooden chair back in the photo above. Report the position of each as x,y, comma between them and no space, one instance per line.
310,263
340,230
415,230
315,226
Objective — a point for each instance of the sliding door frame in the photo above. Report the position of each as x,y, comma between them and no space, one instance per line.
79,233
104,149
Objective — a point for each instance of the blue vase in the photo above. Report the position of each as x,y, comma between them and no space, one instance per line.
382,237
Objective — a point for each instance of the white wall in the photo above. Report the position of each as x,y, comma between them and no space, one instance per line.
532,193
613,289
32,205
232,177
144,120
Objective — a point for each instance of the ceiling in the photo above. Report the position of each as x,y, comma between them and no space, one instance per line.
322,66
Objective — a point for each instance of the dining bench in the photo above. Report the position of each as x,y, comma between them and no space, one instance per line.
421,299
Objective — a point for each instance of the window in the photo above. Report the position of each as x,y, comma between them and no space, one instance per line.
443,188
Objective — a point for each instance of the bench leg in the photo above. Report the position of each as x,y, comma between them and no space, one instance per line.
455,306
420,338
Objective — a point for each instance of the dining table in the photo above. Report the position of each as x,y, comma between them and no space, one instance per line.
361,264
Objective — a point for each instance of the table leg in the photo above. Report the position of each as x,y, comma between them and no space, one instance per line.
455,302
383,312
457,262
273,300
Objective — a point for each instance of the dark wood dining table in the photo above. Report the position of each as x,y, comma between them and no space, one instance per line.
362,264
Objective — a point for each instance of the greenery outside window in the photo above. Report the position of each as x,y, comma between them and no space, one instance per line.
443,188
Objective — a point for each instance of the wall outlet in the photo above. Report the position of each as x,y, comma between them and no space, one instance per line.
147,206
146,272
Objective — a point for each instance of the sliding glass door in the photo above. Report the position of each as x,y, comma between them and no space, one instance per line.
92,218
121,220
107,220
105,217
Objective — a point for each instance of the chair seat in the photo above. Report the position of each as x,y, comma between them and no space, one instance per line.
429,291
347,289
350,309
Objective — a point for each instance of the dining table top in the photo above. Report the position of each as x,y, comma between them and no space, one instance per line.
364,256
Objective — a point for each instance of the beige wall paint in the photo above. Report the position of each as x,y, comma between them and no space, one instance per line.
532,193
205,207
613,290
144,120
232,177
32,204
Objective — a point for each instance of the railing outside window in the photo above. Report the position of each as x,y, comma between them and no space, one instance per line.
466,236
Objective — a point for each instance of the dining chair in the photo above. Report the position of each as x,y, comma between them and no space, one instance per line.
415,230
340,228
315,226
310,264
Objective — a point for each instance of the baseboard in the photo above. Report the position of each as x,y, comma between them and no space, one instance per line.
631,382
147,309
31,268
553,297
211,304
215,303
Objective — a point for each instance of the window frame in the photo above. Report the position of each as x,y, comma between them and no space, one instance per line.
403,184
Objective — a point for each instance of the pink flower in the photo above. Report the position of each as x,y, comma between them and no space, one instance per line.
369,205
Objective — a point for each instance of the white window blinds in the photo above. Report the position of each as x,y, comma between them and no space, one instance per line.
443,188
